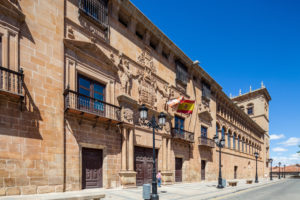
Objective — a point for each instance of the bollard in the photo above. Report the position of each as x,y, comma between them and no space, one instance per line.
146,191
224,182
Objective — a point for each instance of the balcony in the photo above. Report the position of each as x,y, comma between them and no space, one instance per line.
206,142
11,82
91,108
182,135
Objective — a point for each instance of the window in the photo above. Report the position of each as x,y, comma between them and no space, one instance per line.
223,133
238,144
203,131
123,20
233,141
152,45
228,138
179,124
92,94
242,146
250,109
181,73
140,35
97,9
165,54
217,130
205,91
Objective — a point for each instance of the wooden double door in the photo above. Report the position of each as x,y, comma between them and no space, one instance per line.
144,164
91,168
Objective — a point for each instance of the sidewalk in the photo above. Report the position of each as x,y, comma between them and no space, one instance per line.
182,191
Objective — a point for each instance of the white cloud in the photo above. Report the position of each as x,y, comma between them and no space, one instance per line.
293,141
276,137
287,160
279,149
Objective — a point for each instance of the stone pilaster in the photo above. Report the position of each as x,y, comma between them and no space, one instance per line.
124,149
130,150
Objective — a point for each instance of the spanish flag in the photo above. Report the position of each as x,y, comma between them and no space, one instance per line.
186,106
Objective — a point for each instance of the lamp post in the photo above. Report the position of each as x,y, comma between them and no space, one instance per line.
283,171
220,144
279,170
271,160
154,125
256,176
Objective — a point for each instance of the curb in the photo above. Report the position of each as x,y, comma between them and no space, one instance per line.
243,189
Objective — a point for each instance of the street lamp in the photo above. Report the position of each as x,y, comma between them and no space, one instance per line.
154,125
220,144
256,177
271,160
284,171
279,169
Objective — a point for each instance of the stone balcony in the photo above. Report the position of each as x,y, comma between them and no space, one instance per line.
11,82
182,135
206,142
91,108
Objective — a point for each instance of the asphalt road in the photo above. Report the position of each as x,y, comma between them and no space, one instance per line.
287,190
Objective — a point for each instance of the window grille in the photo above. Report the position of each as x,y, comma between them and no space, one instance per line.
97,9
206,91
181,73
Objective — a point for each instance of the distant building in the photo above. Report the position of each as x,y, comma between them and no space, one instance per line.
74,74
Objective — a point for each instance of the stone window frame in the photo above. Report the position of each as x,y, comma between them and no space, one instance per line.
250,106
5,33
104,162
75,67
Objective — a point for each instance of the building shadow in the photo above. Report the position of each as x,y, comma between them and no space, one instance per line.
20,116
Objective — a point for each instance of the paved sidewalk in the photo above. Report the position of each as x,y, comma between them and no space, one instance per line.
182,191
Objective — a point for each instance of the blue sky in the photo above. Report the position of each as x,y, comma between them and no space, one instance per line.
241,43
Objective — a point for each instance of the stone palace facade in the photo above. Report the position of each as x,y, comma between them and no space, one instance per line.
74,74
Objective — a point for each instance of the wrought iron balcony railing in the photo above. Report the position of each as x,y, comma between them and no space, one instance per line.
11,81
182,134
96,9
207,142
86,104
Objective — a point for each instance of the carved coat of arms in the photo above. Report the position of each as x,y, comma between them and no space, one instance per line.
147,82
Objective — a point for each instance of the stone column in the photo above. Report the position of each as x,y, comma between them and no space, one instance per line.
124,149
130,150
147,38
169,155
132,25
164,150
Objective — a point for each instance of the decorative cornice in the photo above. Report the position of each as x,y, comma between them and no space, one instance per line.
10,9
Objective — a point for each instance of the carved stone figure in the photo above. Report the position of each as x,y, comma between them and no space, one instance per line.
125,74
128,115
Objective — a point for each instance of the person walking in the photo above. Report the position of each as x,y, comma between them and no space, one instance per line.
158,177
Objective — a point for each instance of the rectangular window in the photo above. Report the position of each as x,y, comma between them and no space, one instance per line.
181,73
92,94
250,110
229,145
140,35
203,131
97,9
179,124
205,91
233,142
165,54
